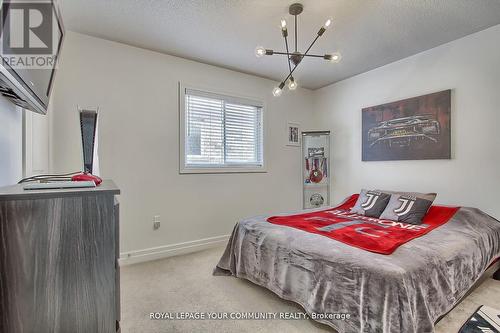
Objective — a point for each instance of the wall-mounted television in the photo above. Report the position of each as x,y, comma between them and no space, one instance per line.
30,42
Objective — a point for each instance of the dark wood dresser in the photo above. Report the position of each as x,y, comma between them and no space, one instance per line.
59,253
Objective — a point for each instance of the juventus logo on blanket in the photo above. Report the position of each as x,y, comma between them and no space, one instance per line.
406,206
371,201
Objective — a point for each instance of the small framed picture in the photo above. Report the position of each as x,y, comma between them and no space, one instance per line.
293,134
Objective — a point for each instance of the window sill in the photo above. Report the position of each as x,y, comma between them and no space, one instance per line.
208,170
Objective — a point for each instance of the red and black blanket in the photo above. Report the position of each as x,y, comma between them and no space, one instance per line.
367,233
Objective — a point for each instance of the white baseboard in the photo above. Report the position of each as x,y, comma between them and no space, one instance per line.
160,252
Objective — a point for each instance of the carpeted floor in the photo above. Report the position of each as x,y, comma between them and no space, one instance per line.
185,284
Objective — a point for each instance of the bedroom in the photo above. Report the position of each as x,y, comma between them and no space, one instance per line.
139,62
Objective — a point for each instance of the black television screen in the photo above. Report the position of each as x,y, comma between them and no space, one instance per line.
28,52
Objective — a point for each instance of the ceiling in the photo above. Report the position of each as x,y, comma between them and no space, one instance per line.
368,33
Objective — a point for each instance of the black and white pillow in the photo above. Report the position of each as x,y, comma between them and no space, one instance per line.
408,207
371,203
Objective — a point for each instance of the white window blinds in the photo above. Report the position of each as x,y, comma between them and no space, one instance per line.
222,131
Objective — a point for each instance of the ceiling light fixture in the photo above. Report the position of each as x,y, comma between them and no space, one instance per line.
296,57
278,90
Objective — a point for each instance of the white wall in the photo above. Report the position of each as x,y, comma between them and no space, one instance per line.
137,92
11,143
36,144
471,67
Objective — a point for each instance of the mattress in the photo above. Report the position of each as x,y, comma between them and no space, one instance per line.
353,290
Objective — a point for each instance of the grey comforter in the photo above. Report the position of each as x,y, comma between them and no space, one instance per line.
406,291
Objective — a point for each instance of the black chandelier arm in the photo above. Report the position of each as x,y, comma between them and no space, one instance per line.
307,51
310,46
295,34
290,74
314,55
304,55
288,54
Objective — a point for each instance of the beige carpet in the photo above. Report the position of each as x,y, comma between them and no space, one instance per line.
185,284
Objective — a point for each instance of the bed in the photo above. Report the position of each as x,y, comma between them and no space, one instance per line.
354,290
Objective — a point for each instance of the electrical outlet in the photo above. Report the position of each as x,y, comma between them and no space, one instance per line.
156,222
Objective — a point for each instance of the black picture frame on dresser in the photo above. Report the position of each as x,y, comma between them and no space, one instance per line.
59,261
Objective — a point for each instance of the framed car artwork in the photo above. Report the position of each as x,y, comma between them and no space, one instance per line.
416,128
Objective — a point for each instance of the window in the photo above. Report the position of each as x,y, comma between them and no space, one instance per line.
220,133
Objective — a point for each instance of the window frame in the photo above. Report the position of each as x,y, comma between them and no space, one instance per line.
232,168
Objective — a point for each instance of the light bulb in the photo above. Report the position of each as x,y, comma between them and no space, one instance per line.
277,91
328,23
283,23
260,51
335,57
292,85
